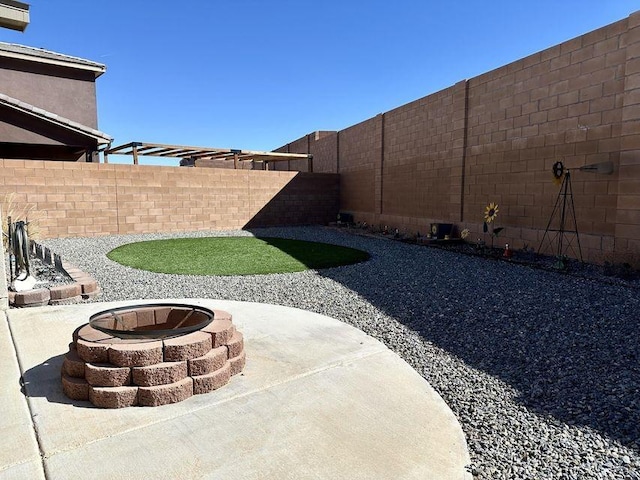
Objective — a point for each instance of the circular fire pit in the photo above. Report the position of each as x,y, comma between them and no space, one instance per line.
151,354
136,322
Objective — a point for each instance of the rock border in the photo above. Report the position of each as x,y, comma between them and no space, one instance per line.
83,287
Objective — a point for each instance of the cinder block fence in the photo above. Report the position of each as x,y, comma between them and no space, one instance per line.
91,199
495,138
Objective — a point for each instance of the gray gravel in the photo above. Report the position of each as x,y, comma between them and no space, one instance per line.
541,369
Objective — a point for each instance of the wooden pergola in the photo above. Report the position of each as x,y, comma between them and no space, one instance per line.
193,154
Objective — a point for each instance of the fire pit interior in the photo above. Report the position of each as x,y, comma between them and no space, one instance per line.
151,354
152,321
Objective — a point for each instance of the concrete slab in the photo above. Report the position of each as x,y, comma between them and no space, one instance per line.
31,470
19,453
317,399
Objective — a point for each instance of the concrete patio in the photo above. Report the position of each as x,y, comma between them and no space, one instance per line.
317,399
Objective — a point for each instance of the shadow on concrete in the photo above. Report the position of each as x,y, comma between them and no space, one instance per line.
570,347
44,381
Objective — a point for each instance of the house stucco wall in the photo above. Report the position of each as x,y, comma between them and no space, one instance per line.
68,92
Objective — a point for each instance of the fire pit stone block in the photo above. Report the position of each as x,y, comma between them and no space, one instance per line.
208,363
113,397
135,354
221,331
106,375
187,347
212,381
90,334
75,388
73,365
221,315
159,374
235,345
237,363
165,394
92,351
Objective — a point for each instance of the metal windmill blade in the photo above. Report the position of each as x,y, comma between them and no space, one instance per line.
604,168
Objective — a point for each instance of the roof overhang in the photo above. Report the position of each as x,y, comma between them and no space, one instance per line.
16,105
48,57
14,15
202,153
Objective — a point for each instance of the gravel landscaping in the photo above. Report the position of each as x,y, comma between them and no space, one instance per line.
542,369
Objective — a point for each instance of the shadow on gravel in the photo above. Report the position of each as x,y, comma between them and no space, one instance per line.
569,346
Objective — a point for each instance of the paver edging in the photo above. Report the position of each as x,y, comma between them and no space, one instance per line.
83,287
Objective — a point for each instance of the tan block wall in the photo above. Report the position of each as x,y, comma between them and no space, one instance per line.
86,199
325,153
563,103
495,137
360,167
423,164
627,220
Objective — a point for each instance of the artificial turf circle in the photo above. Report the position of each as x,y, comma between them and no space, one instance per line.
233,255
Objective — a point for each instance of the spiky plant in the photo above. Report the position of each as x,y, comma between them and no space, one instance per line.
25,212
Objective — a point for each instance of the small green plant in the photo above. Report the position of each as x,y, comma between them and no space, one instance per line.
561,263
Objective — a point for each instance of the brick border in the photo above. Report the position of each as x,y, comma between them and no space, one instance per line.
83,287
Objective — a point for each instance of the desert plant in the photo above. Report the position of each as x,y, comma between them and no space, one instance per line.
561,263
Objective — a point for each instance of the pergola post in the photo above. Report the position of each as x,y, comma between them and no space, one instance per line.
235,160
135,154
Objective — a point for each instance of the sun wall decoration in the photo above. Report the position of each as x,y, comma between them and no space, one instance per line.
490,214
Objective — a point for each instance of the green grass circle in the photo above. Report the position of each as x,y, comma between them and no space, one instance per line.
233,255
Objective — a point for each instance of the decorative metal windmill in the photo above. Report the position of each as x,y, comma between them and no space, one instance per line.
566,233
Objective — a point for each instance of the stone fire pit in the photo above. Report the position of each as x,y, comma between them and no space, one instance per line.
151,354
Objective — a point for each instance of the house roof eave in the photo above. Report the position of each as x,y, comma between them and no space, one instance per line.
17,105
40,55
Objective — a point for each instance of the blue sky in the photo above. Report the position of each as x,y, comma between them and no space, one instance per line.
257,74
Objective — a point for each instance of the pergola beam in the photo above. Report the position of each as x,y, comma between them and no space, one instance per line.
204,153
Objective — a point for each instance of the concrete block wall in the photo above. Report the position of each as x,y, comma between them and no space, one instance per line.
301,145
324,149
87,199
627,220
360,167
561,104
423,160
495,138
313,198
